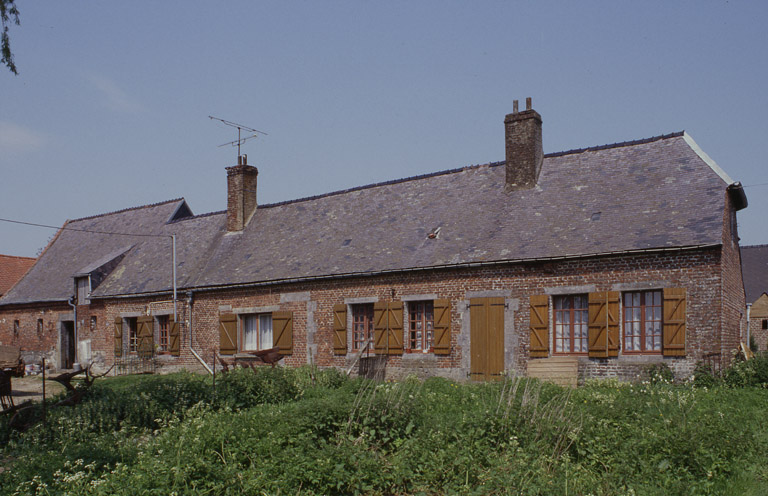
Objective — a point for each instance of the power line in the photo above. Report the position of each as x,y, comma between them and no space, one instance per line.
64,228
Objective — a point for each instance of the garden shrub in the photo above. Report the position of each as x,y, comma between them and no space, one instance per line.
244,387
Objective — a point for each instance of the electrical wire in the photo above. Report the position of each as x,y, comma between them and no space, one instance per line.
64,228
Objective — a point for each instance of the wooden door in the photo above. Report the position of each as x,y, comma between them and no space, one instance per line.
67,344
486,317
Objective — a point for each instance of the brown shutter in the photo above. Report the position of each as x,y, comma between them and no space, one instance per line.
395,327
174,337
340,329
442,327
598,325
228,334
380,315
539,326
118,337
282,332
674,322
613,301
145,336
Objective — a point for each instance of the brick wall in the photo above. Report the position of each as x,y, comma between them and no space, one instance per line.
700,272
733,315
35,343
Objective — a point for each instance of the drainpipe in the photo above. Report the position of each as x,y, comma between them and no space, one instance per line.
74,310
749,308
191,347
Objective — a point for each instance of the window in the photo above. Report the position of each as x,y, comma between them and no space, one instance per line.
40,327
93,323
16,326
421,318
571,323
765,323
163,336
642,321
257,332
133,337
362,325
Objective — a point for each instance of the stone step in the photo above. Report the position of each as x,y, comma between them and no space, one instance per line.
563,371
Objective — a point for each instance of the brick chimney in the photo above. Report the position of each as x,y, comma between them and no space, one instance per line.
525,153
241,194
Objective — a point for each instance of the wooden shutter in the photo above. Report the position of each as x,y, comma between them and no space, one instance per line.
604,324
613,302
118,336
674,322
145,336
598,325
442,327
174,337
539,323
340,329
282,332
380,327
395,327
228,334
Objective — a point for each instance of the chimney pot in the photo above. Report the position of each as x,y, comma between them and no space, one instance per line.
523,144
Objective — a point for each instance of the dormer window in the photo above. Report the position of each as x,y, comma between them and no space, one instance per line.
83,290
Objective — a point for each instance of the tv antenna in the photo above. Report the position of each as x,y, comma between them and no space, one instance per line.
253,133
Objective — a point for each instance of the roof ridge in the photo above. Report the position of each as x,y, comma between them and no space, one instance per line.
754,246
128,209
617,145
470,167
383,183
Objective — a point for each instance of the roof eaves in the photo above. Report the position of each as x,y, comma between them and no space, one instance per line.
215,287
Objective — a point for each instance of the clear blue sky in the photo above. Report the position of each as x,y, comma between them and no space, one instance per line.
110,108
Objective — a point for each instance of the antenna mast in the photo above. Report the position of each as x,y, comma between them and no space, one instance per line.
254,133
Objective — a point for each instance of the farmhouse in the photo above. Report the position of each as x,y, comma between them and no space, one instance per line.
586,263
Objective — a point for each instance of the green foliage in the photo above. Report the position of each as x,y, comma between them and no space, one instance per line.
753,372
245,388
660,373
311,431
9,14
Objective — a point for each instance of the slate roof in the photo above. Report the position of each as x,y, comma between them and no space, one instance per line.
754,269
81,244
12,269
657,193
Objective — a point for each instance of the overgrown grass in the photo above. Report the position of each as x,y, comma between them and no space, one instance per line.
306,431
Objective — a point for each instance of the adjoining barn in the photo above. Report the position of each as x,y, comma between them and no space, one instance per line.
587,263
754,260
